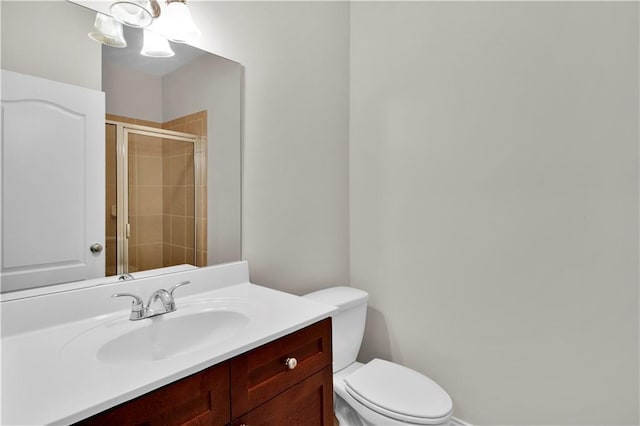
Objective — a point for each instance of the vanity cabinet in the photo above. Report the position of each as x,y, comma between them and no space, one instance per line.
199,399
285,382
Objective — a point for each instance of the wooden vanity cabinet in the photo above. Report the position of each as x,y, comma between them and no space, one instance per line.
197,400
261,387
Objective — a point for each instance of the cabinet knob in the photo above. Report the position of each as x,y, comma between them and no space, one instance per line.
291,363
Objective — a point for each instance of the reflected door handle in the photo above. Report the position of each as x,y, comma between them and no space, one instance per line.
96,248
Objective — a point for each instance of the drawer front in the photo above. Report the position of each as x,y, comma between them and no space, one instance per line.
262,373
309,403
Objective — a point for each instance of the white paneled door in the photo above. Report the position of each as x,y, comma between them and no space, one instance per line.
53,189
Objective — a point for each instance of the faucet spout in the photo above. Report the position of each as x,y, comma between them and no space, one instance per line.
168,304
139,311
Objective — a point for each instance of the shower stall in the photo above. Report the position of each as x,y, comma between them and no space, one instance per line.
155,189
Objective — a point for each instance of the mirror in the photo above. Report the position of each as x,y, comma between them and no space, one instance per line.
195,93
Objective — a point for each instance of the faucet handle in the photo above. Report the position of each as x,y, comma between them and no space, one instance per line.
175,286
137,307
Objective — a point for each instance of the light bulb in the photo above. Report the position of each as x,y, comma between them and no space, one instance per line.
155,45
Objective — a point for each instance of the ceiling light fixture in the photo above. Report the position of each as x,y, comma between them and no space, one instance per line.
108,31
135,13
172,22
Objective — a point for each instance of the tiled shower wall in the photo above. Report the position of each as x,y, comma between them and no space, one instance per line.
195,124
178,198
145,203
162,191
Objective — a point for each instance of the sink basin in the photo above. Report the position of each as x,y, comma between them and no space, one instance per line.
192,327
164,337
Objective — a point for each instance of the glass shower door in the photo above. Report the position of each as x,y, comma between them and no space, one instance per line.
161,200
153,180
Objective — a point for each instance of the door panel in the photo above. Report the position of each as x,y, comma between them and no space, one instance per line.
53,184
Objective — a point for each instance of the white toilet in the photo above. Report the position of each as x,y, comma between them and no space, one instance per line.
379,392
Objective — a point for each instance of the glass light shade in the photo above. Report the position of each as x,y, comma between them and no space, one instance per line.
178,23
156,45
134,13
108,31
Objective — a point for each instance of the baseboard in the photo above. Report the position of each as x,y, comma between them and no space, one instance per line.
458,422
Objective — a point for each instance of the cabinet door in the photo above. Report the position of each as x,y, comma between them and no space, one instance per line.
53,151
198,400
309,403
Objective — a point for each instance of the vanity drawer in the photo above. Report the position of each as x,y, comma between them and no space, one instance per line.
308,403
262,373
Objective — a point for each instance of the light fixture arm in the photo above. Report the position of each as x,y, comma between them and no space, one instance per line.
155,9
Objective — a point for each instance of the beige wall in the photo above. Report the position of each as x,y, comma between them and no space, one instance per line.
494,202
54,55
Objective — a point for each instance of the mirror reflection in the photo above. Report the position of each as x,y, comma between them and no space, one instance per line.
156,189
171,154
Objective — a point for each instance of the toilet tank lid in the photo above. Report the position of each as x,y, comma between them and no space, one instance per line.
343,297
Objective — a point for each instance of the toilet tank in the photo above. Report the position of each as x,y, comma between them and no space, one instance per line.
347,322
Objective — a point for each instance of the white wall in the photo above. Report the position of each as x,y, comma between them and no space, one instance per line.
494,202
54,55
132,93
295,192
214,84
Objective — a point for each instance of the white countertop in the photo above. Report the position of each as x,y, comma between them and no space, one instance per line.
50,378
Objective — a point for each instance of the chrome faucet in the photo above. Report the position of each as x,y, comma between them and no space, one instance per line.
139,311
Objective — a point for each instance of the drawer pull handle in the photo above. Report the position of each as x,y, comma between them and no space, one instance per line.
291,363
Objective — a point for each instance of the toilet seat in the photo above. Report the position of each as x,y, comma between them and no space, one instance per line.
399,393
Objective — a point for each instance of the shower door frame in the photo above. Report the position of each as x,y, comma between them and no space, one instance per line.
123,228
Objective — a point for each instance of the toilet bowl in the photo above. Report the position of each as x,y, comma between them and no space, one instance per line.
379,392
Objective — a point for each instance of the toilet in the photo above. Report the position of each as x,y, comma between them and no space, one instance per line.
379,392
